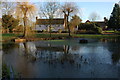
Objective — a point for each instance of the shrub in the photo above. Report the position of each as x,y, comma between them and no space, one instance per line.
9,22
64,32
98,30
60,30
91,28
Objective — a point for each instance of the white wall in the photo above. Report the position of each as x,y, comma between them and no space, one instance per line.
55,27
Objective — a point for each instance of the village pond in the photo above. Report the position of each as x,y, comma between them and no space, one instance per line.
99,58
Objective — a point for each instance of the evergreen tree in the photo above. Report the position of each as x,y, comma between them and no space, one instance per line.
114,21
9,22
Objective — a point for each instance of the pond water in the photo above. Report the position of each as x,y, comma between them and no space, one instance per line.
99,58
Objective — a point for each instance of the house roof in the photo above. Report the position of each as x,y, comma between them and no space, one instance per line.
48,21
100,23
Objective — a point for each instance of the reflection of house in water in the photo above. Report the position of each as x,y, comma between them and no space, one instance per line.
56,24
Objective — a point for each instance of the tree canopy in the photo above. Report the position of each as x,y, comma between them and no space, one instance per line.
75,21
114,21
8,7
69,9
26,11
9,22
49,9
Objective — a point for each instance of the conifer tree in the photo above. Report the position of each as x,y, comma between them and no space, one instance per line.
114,21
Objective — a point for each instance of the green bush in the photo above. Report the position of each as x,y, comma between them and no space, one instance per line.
91,28
99,30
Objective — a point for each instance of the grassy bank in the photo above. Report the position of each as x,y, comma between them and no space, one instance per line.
95,36
7,37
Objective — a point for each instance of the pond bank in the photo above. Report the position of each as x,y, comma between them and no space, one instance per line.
11,37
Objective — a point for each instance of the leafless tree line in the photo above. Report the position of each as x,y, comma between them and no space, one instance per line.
48,10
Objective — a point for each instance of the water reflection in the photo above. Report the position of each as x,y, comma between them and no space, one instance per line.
110,40
8,46
116,58
45,59
84,54
28,49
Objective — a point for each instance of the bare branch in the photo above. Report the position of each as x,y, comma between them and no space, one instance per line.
8,8
69,7
49,9
94,16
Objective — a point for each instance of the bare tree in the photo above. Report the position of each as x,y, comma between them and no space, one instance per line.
69,9
8,7
94,16
49,10
27,11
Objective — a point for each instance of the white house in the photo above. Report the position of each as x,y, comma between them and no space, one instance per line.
44,24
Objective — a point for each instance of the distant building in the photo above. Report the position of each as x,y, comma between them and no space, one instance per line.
101,24
44,24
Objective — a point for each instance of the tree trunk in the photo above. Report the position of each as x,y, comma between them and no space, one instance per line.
50,30
7,30
50,25
68,25
66,49
65,21
25,27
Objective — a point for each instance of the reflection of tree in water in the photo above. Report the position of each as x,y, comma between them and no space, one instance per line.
115,57
114,47
54,56
8,46
29,49
61,57
117,39
75,48
66,55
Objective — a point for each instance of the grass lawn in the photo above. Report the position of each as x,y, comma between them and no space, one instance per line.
109,31
117,32
47,35
9,36
95,36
